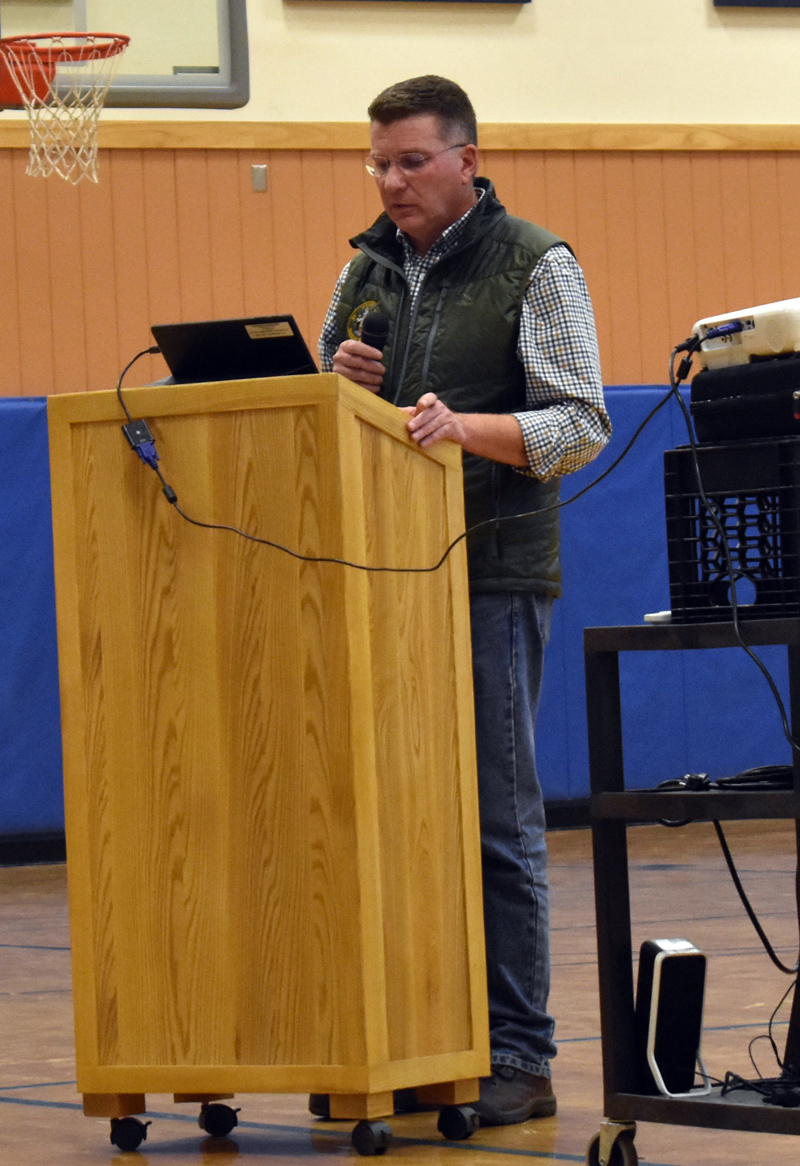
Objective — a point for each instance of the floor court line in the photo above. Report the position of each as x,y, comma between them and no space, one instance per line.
40,992
34,947
37,1085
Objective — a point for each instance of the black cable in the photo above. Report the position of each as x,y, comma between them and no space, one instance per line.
152,351
700,782
309,558
737,882
761,1036
435,567
775,1012
173,499
764,777
783,1090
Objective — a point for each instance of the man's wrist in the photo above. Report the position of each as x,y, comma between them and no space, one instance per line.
497,436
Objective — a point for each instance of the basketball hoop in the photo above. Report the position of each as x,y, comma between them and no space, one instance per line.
60,79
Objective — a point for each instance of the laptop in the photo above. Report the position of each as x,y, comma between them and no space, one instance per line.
233,350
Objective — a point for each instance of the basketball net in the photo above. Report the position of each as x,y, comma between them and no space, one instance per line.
61,80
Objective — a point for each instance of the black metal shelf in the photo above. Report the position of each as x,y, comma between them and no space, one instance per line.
612,808
736,1111
716,805
673,637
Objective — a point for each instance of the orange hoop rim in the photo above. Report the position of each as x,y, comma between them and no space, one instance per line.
43,46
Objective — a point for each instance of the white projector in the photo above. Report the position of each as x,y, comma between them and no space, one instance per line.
768,330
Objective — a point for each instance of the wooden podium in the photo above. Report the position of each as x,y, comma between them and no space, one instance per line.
269,763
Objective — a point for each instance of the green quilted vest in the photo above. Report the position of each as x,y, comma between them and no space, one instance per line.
460,342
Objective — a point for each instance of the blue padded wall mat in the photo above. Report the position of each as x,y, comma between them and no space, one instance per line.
707,711
30,733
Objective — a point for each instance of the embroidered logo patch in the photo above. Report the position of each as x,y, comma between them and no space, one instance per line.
356,318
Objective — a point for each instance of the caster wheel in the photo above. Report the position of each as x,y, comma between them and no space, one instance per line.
622,1154
319,1104
217,1120
457,1122
128,1133
371,1137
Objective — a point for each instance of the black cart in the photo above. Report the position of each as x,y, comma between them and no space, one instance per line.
612,809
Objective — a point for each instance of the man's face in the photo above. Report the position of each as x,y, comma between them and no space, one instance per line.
425,203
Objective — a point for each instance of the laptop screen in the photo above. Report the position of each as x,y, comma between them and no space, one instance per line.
232,350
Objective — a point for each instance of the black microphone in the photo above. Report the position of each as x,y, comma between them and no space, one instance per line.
375,330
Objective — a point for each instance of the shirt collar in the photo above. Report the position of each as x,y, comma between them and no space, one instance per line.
446,241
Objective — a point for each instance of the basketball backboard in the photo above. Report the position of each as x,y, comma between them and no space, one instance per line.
182,52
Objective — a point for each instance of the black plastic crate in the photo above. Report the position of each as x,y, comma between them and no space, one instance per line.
755,489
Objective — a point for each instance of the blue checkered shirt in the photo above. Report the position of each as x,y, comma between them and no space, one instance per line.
565,423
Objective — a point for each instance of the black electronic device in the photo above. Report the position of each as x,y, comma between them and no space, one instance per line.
669,1016
232,350
754,487
744,401
375,330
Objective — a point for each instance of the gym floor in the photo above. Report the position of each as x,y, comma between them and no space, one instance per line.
680,887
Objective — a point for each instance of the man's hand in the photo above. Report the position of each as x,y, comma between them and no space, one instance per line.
496,436
432,421
360,363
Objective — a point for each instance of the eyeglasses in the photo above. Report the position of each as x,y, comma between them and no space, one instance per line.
379,167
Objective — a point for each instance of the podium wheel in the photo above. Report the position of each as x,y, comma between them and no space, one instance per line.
217,1120
371,1137
457,1122
128,1133
319,1104
623,1152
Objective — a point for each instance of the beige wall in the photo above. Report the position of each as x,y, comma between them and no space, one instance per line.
549,61
614,61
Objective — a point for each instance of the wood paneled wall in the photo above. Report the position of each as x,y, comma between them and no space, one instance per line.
177,234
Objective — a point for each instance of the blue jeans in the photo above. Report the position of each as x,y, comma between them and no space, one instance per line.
509,632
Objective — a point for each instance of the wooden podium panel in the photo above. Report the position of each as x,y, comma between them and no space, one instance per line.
269,764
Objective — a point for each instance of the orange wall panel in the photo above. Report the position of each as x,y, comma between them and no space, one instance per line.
96,261
255,234
319,219
290,244
624,272
35,307
10,361
66,287
562,195
591,242
788,222
737,233
664,238
680,258
767,250
651,256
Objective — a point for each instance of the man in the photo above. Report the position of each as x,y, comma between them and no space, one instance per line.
492,344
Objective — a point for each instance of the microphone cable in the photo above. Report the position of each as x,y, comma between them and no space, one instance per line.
143,444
